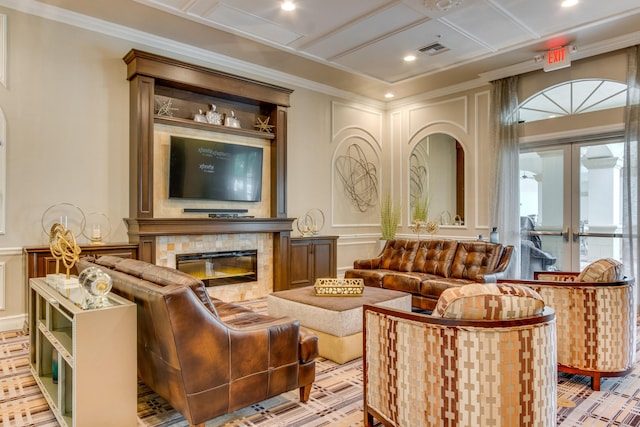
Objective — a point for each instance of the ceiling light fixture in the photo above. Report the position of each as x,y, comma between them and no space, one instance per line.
410,58
388,95
569,3
442,5
288,5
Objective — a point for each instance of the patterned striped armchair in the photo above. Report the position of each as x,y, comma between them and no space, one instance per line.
486,356
596,318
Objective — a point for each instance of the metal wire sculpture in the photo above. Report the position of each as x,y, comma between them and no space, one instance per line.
359,178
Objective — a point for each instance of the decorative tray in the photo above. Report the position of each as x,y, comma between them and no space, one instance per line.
339,287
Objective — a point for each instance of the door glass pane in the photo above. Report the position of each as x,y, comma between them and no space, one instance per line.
541,211
600,202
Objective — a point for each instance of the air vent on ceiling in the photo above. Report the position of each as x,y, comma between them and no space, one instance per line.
434,49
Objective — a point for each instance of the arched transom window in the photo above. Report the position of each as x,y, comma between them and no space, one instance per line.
574,97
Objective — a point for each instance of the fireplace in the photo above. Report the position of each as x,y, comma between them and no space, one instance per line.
220,268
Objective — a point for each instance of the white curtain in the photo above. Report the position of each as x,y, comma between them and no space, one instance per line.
506,192
630,177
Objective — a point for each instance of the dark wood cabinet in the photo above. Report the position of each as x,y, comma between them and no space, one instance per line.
40,262
312,258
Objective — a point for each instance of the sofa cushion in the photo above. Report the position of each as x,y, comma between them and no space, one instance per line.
370,277
603,270
490,301
405,282
398,255
433,288
474,259
435,257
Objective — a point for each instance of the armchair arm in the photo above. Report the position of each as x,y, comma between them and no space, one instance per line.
505,259
309,349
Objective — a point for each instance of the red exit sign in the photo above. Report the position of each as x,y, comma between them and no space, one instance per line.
557,58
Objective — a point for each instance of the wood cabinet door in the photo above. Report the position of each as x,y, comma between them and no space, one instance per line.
301,264
324,259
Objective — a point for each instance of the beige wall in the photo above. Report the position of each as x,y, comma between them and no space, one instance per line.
66,105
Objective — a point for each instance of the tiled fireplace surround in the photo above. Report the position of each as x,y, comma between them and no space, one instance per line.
167,247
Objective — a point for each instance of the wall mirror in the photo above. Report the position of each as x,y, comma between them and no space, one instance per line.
436,175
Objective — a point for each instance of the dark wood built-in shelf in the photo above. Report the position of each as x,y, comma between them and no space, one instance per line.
175,121
193,88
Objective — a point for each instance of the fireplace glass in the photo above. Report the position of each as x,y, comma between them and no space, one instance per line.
220,268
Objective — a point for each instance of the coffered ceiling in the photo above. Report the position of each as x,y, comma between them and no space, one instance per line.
359,45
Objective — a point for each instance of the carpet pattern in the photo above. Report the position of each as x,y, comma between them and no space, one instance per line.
336,398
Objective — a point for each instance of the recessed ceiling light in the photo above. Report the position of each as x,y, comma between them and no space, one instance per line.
288,5
569,3
410,58
388,95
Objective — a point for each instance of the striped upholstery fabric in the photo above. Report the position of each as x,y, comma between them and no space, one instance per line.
596,323
490,301
426,371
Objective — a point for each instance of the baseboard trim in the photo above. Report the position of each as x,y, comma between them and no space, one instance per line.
12,323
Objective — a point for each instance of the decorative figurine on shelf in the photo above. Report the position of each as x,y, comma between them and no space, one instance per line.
62,243
200,117
163,106
56,228
232,121
263,126
213,116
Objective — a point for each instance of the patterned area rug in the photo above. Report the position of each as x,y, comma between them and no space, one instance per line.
336,398
21,403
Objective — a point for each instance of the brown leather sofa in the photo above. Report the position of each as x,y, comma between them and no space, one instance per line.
425,268
204,356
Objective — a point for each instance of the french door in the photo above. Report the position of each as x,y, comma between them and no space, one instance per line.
570,204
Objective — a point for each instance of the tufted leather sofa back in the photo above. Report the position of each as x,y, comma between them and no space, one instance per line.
474,259
399,254
435,257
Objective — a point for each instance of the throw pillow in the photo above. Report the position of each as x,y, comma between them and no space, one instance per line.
489,301
603,270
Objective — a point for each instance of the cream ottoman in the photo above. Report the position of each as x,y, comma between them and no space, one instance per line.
337,320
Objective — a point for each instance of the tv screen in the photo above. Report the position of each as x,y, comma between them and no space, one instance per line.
210,170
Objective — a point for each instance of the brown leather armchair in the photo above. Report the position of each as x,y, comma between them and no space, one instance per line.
206,357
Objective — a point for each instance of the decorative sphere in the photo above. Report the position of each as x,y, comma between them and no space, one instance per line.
96,282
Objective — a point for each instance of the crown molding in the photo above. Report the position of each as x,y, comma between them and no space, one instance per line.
249,69
216,60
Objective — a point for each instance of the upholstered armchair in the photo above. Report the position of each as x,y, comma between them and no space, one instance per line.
487,356
596,318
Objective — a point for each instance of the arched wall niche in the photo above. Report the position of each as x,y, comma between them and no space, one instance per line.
436,173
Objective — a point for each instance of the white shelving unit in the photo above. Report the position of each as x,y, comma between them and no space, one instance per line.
96,357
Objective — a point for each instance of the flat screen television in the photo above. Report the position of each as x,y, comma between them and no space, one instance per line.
209,170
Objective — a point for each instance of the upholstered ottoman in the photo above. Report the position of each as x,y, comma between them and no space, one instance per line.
336,320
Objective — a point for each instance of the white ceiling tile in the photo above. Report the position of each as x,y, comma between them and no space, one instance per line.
373,27
254,26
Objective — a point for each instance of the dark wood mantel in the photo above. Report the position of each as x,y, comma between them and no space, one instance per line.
144,232
188,226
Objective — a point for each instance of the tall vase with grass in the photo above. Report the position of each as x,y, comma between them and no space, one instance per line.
389,218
